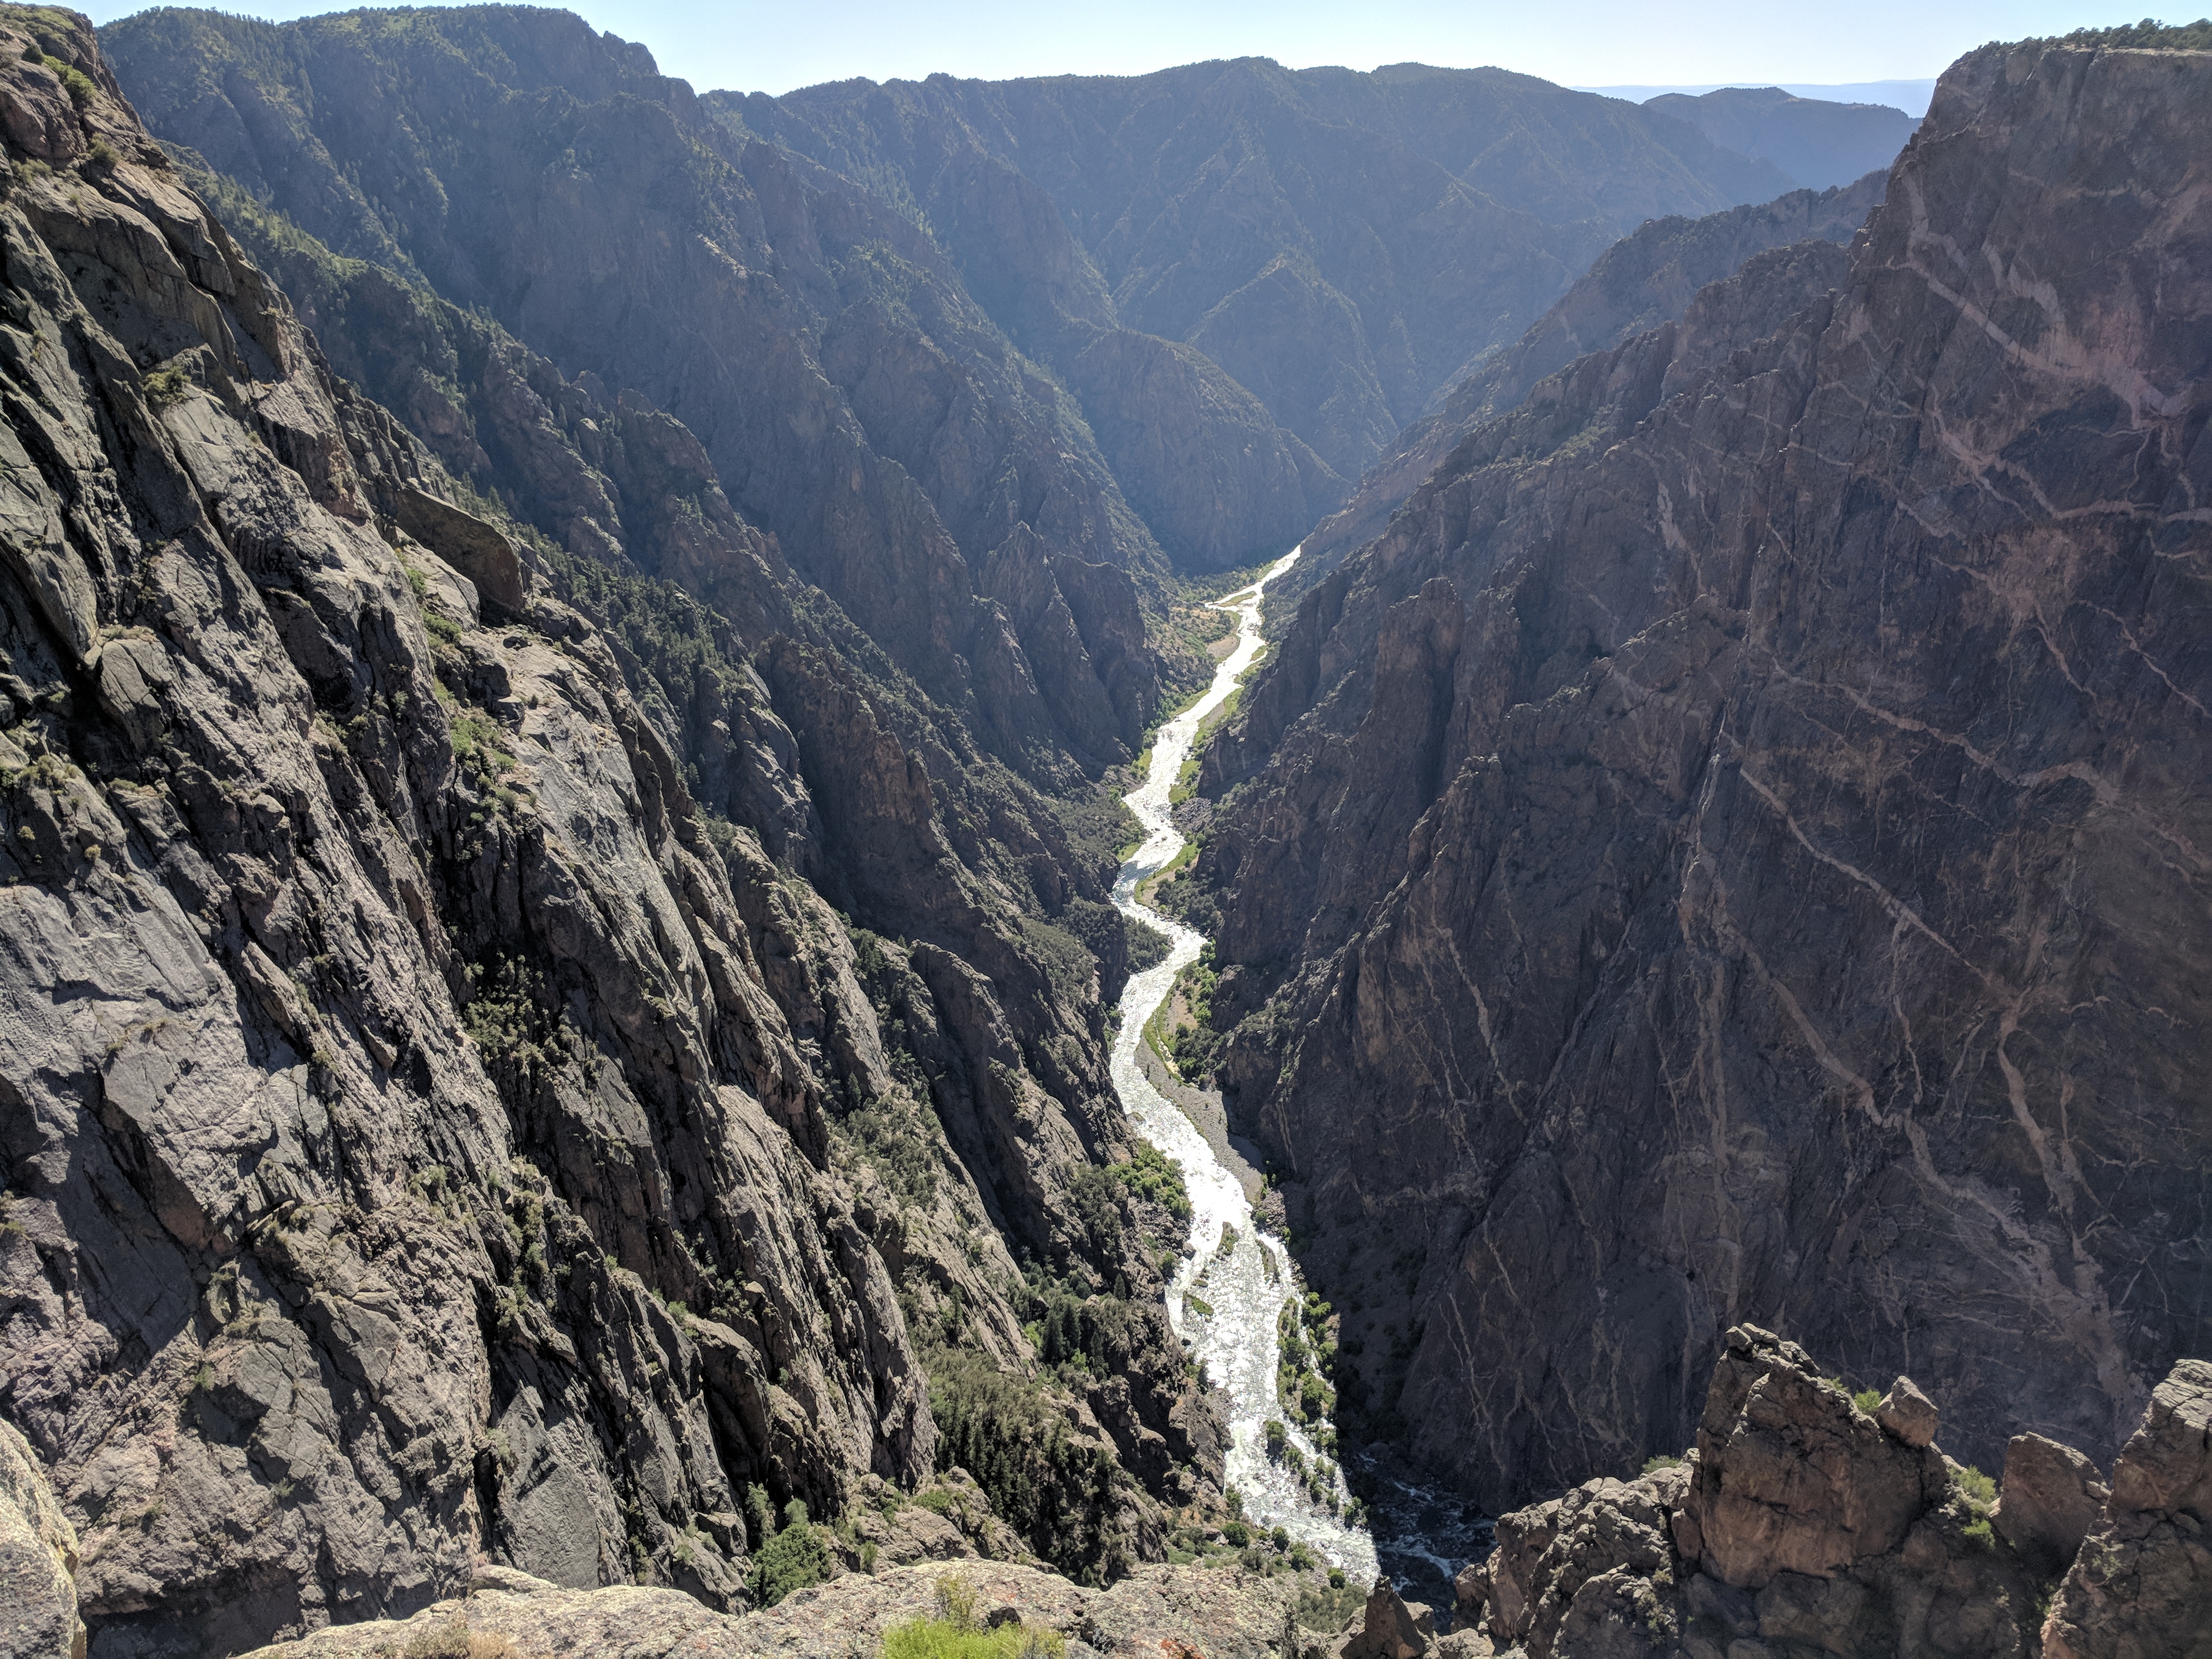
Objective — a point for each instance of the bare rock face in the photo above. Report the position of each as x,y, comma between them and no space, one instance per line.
426,1136
1646,279
2142,1584
1611,815
1794,1520
1548,1557
1204,464
2053,1497
1791,1478
38,1560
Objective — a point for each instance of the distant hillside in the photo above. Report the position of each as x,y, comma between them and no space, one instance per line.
1819,144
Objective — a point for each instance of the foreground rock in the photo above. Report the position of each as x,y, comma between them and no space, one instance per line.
38,1561
2141,1584
1222,1612
1800,1523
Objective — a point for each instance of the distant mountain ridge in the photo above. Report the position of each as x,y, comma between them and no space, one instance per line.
1341,244
1910,96
1819,144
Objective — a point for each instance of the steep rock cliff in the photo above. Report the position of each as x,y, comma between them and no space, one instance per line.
1720,852
853,400
1644,280
426,1134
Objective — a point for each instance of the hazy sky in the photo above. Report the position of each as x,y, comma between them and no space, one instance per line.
773,45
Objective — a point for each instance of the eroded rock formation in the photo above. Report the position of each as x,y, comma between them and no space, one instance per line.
1800,1523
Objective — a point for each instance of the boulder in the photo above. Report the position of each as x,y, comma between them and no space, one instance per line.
1907,1413
1548,1554
477,549
1470,1588
2049,1499
1393,1628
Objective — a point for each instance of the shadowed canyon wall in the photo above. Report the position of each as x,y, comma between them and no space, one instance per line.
1734,847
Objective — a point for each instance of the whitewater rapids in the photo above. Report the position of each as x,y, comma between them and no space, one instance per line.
1246,1286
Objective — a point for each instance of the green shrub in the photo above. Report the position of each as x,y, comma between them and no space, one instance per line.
1096,1196
793,1559
1148,947
760,1514
1980,1490
1867,1399
1067,962
2147,35
1012,1436
1332,1608
167,386
78,83
1980,1533
940,1638
1661,1461
957,1633
1153,1175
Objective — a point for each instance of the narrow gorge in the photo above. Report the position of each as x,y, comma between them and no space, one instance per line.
1236,1283
704,949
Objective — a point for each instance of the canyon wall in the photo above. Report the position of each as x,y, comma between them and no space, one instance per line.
1734,847
428,1132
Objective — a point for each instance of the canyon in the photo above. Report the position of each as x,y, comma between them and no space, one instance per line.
707,945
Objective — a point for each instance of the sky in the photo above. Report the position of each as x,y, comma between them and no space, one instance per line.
773,46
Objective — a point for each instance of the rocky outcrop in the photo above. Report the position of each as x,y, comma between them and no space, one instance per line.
1700,815
2142,1582
508,1615
1818,142
1798,1523
1643,281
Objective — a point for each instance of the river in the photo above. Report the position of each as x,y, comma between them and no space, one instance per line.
1246,1283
